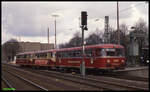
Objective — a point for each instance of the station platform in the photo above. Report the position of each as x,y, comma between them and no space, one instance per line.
142,71
133,68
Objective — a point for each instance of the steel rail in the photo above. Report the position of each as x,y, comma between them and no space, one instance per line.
88,84
128,77
7,83
89,79
72,80
94,80
83,80
36,85
30,70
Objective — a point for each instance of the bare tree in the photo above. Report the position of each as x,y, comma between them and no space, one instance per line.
124,29
113,35
141,25
74,42
93,39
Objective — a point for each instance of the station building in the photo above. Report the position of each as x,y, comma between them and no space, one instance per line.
34,46
12,48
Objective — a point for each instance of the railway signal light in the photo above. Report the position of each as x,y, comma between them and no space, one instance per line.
84,18
83,27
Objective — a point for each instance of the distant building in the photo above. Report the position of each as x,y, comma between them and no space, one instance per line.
10,49
34,46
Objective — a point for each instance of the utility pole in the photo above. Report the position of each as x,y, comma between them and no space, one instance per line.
118,23
48,35
55,34
55,29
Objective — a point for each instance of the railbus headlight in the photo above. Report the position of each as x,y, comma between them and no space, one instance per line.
108,61
147,61
122,61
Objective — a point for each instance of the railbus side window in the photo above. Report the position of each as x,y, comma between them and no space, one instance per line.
57,54
48,55
40,55
100,52
25,56
103,52
88,53
37,55
43,55
53,55
22,56
70,53
60,54
74,53
120,52
111,52
18,56
65,54
31,56
28,56
78,53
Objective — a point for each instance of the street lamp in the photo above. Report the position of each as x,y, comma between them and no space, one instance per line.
55,15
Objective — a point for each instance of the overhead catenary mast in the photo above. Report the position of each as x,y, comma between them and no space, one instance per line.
118,23
106,33
48,35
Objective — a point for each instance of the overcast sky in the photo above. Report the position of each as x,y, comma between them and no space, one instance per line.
30,20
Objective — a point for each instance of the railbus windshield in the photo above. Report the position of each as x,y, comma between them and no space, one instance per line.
119,52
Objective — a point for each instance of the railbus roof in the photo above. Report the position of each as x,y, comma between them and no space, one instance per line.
75,48
93,46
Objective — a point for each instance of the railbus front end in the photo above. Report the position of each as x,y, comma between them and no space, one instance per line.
110,58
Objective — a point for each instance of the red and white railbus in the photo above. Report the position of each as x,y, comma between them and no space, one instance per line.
99,57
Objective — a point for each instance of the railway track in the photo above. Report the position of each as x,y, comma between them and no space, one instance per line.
6,85
53,83
91,81
13,80
116,75
107,84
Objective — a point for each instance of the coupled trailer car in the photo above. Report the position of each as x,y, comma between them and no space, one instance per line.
97,57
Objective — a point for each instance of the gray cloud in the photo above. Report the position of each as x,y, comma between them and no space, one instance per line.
32,19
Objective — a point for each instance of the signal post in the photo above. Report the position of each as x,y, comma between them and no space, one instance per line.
83,27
